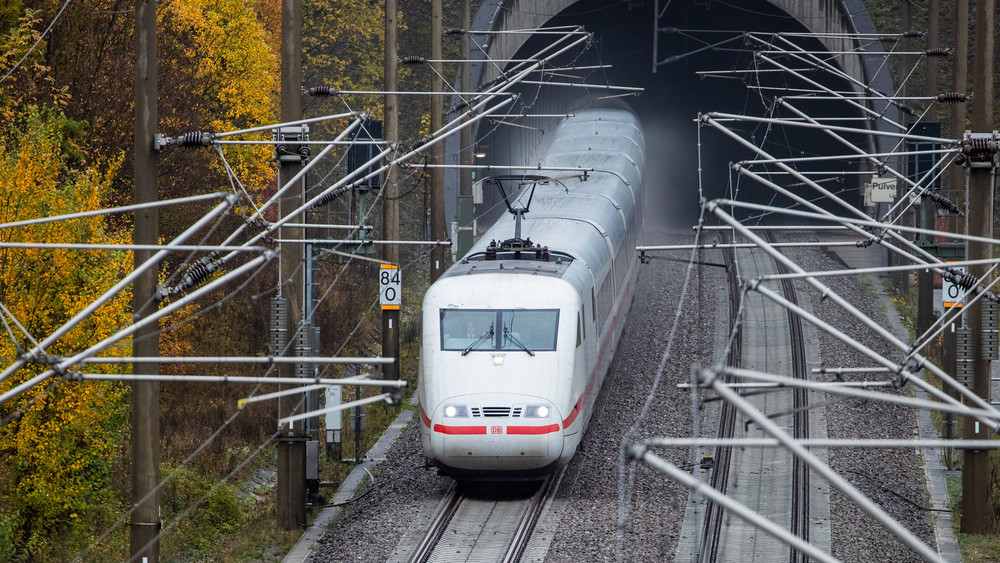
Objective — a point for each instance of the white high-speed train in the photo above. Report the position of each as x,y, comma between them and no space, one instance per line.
518,335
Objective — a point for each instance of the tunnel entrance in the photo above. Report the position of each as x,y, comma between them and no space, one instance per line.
694,37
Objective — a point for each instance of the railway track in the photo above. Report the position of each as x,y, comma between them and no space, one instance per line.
484,524
727,422
713,530
800,470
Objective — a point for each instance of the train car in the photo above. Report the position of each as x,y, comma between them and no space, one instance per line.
519,333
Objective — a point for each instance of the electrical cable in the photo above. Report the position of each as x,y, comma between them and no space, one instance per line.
39,40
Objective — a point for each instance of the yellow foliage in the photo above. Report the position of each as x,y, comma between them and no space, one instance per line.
225,62
343,46
59,447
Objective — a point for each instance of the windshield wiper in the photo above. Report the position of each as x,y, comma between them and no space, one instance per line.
477,341
507,334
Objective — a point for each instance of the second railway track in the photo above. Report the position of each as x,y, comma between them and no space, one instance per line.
786,326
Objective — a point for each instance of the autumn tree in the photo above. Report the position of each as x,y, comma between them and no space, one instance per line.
59,447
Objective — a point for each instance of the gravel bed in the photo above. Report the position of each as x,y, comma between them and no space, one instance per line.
370,528
892,478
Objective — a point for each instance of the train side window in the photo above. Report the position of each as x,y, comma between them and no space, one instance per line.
583,320
621,264
593,305
579,329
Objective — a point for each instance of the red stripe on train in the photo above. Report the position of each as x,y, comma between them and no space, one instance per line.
423,416
533,429
459,430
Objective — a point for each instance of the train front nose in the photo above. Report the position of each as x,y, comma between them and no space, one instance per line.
479,433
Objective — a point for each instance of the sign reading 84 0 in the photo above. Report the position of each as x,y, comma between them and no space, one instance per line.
389,287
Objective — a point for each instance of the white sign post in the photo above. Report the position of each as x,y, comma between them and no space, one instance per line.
952,294
389,287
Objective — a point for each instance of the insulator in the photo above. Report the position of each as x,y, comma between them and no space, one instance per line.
458,107
937,52
455,31
419,143
906,109
194,139
331,196
195,274
199,270
913,33
966,281
952,97
322,91
304,151
413,60
979,146
944,203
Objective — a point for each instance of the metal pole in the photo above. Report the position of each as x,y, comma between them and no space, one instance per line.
900,281
466,204
390,201
977,511
438,231
145,521
928,216
291,489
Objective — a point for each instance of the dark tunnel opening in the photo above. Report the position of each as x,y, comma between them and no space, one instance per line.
674,96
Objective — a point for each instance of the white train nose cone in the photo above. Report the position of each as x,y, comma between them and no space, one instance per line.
471,436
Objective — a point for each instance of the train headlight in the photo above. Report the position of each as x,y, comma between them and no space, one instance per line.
536,411
456,411
498,359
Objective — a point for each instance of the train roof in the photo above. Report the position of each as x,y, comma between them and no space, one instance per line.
575,217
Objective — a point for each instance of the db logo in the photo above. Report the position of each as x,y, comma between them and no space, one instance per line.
496,429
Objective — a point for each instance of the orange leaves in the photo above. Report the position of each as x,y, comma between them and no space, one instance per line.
219,57
60,447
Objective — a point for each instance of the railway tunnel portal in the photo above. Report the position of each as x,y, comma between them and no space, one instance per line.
664,47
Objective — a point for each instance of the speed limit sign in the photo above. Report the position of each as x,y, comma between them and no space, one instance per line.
389,287
952,294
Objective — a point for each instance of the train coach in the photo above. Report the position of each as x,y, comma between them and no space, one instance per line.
519,333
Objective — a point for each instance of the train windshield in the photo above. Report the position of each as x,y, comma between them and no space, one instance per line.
523,330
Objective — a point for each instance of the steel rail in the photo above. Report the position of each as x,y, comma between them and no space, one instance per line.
816,385
440,522
800,404
714,513
527,523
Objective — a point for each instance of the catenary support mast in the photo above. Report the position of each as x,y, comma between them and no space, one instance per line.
291,509
145,523
977,509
